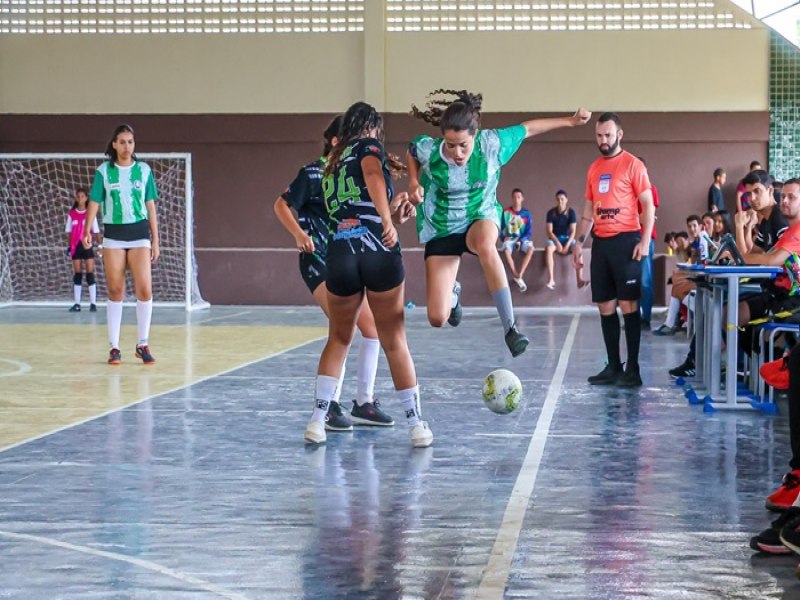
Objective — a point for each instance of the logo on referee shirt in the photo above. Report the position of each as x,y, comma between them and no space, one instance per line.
605,183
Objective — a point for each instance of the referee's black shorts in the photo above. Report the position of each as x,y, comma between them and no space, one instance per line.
615,274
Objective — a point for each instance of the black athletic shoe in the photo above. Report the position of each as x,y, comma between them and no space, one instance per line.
336,420
790,536
517,342
456,312
370,413
607,376
114,356
629,378
143,352
686,369
75,308
93,308
769,540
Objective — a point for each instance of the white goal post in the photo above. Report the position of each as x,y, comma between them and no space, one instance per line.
37,192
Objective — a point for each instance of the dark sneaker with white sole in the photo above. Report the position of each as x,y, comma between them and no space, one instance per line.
769,540
336,420
75,308
686,369
456,312
370,413
516,341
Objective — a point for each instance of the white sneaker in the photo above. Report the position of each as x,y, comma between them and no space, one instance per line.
521,283
315,433
421,435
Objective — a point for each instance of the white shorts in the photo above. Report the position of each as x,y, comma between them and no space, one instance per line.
512,245
122,245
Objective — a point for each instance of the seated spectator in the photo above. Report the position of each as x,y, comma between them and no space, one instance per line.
561,222
742,195
672,244
515,235
683,246
682,285
722,225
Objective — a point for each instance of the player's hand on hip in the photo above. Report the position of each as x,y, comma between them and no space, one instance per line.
389,237
304,243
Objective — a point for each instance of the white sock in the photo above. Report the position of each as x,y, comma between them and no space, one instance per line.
369,351
93,293
114,320
144,312
673,311
338,393
76,293
323,396
409,400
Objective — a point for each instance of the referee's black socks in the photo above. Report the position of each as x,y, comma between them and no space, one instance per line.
633,335
610,326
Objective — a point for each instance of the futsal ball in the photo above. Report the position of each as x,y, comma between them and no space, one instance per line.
502,391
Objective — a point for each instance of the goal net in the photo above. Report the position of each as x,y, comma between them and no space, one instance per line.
36,193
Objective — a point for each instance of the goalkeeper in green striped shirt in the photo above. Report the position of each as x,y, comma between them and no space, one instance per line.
453,180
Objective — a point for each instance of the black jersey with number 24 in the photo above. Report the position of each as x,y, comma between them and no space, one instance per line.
355,225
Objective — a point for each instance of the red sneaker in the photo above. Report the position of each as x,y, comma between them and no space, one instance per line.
776,374
783,498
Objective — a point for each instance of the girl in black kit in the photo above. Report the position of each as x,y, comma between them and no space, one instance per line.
364,257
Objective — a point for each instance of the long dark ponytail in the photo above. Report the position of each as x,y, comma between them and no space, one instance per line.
462,113
356,122
331,132
110,152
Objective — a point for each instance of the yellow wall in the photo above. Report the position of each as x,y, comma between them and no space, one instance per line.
713,70
297,73
277,73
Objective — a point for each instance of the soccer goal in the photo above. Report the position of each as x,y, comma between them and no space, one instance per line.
37,192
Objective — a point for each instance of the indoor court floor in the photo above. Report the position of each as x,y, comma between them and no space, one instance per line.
190,479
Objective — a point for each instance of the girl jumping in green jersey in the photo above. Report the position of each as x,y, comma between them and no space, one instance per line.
453,180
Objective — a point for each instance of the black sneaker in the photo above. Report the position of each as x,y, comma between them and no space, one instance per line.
336,420
630,378
769,540
370,413
607,376
114,356
455,313
93,308
143,352
790,536
666,330
75,308
517,342
686,369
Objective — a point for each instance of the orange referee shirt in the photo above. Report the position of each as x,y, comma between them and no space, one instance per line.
613,185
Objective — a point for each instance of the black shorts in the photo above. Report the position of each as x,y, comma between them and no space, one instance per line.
615,274
129,232
766,303
352,273
454,244
312,269
82,253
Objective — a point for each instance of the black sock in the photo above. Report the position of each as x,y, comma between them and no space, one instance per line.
610,326
633,334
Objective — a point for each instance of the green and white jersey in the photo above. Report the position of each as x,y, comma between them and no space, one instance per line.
123,191
457,196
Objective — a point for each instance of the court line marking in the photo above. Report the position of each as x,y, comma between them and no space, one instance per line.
151,396
144,564
495,576
222,317
22,367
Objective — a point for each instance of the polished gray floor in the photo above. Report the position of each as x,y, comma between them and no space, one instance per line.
209,491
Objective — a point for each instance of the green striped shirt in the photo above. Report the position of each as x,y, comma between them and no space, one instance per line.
456,197
123,192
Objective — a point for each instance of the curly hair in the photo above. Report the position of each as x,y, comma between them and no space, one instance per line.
356,122
462,113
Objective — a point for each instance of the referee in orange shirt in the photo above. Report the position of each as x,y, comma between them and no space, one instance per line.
615,184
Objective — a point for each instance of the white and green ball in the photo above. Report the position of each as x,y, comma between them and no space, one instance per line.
502,391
